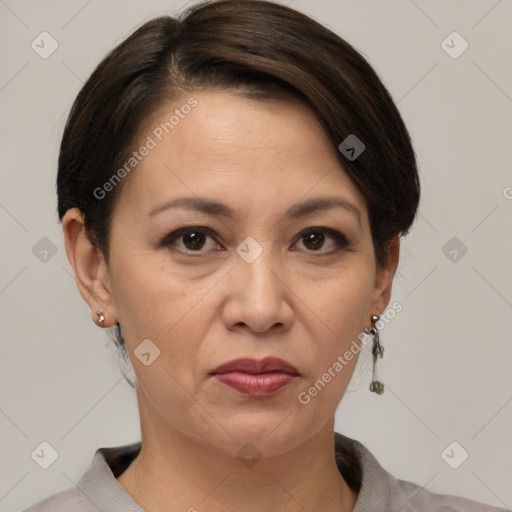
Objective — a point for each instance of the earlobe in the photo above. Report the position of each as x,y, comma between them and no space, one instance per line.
384,278
89,268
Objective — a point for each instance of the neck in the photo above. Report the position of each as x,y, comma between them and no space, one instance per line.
176,472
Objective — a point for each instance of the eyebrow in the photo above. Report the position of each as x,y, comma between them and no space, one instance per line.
299,210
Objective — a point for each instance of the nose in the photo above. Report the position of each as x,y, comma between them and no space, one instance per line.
258,296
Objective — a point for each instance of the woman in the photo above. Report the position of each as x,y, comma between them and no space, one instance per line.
232,188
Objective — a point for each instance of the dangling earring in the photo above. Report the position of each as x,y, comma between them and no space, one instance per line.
101,317
377,350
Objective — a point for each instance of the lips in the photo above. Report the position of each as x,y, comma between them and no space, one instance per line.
253,366
254,378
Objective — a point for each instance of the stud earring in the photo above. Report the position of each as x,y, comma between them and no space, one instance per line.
377,351
101,317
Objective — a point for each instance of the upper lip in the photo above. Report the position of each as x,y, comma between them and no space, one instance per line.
247,365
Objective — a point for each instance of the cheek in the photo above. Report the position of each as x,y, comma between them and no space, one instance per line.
339,312
152,301
342,303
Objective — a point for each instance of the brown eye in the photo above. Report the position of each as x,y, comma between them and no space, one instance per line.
314,240
191,240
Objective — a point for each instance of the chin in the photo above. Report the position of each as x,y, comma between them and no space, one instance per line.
267,435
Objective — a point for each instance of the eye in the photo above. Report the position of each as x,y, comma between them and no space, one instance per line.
191,239
315,238
195,240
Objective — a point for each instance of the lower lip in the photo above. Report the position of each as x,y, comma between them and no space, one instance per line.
258,385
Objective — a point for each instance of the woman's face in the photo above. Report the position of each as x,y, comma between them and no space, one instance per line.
263,273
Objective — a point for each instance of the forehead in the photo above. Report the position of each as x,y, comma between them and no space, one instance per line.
263,149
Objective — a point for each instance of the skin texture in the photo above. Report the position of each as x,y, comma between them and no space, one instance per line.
299,300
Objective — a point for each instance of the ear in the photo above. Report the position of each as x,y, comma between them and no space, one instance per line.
89,266
384,279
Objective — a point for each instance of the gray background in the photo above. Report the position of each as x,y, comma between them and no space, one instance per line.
448,352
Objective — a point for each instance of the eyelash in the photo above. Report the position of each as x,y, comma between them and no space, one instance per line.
341,241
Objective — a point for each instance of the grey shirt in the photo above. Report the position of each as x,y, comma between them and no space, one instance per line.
379,491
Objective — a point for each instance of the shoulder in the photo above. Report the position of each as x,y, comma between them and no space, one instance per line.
418,499
380,490
64,501
97,490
